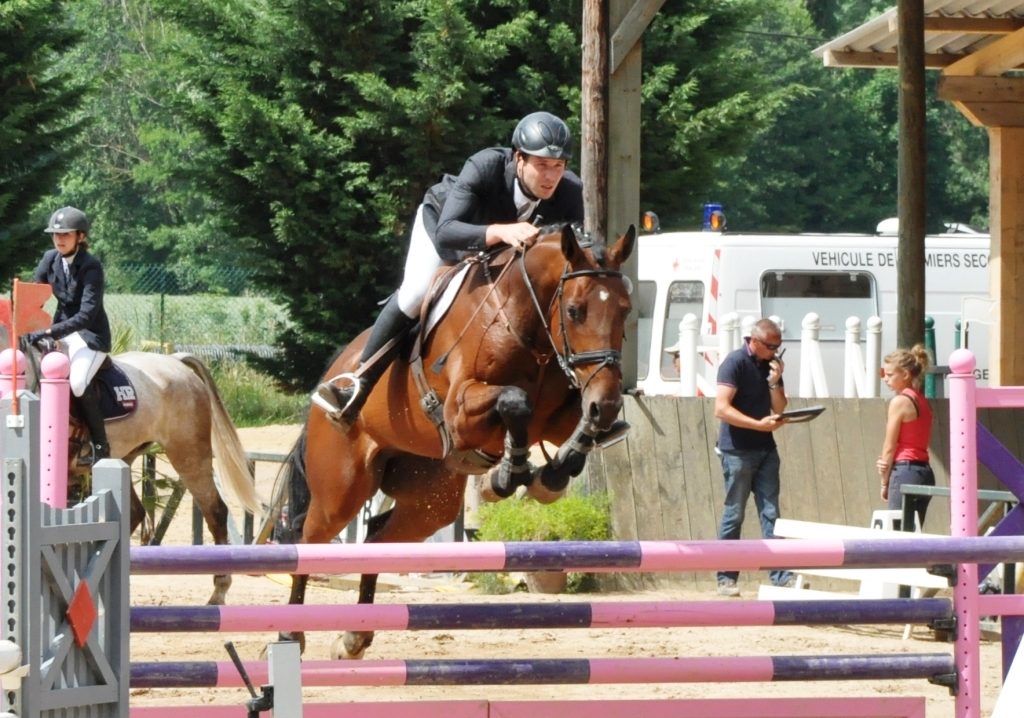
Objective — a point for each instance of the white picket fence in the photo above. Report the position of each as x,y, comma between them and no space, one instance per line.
699,356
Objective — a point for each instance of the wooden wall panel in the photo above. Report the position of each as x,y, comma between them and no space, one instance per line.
666,481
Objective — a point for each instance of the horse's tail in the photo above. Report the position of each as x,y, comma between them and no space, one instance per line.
289,485
228,452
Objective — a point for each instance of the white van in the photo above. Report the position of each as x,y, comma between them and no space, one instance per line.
711,274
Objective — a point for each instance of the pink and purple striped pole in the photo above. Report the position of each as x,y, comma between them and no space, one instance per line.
554,671
620,556
611,614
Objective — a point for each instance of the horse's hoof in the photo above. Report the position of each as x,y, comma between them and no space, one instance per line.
350,645
486,493
299,637
542,494
612,435
501,482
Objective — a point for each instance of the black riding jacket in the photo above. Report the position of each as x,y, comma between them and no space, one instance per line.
457,210
80,301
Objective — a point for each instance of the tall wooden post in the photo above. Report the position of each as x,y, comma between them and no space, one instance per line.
910,257
594,154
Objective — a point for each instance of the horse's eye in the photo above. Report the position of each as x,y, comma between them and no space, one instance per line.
577,312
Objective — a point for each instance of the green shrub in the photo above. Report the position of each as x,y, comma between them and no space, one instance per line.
253,398
574,517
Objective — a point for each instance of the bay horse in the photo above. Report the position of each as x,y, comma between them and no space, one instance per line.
178,408
529,351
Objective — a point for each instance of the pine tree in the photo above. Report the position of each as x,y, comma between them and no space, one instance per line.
37,124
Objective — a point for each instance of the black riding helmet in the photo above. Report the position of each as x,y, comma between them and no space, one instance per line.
67,219
543,135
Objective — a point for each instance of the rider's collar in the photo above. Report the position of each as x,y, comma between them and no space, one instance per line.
525,201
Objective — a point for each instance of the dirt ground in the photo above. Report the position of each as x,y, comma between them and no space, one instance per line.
574,643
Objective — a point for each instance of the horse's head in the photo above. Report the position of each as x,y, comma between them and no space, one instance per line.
588,317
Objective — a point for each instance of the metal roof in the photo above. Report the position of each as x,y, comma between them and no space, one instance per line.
955,30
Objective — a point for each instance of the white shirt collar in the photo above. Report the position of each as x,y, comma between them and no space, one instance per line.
524,205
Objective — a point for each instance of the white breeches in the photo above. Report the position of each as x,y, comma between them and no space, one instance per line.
85,362
421,263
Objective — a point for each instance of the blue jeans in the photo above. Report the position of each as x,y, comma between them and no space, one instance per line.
746,471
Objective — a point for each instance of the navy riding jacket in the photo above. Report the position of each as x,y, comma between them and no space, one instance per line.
80,300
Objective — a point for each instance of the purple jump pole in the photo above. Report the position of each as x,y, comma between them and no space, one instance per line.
613,614
554,671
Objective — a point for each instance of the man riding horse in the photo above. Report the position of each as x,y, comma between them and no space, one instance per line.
499,197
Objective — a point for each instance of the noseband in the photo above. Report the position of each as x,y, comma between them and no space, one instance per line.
567,358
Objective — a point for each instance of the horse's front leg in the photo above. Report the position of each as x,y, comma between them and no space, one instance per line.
513,471
353,644
550,481
483,408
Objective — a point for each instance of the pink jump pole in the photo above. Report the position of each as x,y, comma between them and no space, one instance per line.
55,397
963,514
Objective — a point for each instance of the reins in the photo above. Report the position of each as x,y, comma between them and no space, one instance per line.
567,358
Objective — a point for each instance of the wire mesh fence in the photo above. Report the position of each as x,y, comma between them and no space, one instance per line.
214,312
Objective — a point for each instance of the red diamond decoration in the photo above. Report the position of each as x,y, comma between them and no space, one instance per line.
81,613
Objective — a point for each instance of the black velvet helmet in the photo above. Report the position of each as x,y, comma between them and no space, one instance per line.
543,135
67,219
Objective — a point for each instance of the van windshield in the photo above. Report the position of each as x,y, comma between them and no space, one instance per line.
683,298
833,296
643,305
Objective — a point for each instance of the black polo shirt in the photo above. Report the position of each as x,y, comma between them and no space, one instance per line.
743,370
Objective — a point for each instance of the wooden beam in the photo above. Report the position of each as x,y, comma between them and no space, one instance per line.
594,135
911,176
981,89
1006,258
974,25
965,110
628,32
624,162
1006,53
994,114
833,58
986,101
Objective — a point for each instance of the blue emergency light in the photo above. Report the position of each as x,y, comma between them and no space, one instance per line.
714,217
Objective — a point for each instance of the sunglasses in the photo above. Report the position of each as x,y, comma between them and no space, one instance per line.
770,346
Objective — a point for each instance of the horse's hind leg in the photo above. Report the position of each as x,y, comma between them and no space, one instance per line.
196,473
428,496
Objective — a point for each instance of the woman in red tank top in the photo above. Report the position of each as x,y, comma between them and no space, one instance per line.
904,458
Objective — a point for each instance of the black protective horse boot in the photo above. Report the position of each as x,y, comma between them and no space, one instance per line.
92,415
343,403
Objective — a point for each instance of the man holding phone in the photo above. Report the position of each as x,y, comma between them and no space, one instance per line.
749,402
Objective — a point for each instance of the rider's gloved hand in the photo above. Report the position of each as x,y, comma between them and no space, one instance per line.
34,337
41,340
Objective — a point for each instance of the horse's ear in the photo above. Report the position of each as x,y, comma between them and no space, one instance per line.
621,250
569,244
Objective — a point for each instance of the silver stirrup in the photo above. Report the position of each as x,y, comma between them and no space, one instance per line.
324,395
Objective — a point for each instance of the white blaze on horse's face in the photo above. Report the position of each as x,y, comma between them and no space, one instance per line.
603,295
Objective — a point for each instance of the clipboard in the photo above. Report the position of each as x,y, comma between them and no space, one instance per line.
797,416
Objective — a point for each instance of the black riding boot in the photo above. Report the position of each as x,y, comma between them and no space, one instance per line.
89,406
347,400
